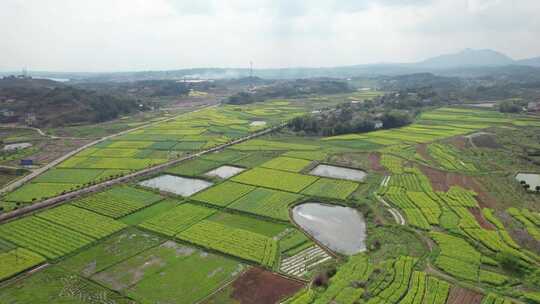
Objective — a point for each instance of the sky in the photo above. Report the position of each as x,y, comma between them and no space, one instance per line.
134,35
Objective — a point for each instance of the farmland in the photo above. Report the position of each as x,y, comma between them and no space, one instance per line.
274,179
118,202
130,243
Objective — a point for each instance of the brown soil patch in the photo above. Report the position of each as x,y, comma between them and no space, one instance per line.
484,140
459,295
422,150
257,286
481,219
459,142
375,162
442,181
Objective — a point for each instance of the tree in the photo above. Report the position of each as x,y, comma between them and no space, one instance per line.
510,262
508,106
395,119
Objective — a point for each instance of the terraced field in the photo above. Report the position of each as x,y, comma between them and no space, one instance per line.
129,245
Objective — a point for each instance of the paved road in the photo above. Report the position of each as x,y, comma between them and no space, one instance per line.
63,198
35,173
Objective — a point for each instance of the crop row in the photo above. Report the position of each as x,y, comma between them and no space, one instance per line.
527,221
415,216
38,191
457,257
266,145
83,221
287,164
417,288
223,194
332,188
436,291
491,298
409,182
461,197
275,179
492,240
490,216
44,237
237,242
357,269
76,176
16,261
392,163
448,158
266,202
403,270
118,201
177,219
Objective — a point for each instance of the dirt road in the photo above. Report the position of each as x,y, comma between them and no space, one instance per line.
62,198
35,173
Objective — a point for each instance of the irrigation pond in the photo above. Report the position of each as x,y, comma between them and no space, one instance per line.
531,179
339,172
341,229
224,172
175,184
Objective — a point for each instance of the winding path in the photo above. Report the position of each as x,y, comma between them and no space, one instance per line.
400,220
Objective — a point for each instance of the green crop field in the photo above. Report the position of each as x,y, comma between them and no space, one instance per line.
332,188
286,164
118,202
446,220
275,179
39,191
76,176
241,243
17,260
83,221
193,167
170,273
149,212
223,194
178,219
44,237
59,286
233,220
266,202
111,251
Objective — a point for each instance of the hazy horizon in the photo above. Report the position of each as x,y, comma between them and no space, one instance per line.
137,35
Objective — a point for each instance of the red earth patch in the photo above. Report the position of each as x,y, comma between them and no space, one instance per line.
442,181
422,150
459,142
375,162
481,220
257,286
459,295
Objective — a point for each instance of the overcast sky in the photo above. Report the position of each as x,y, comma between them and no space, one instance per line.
128,35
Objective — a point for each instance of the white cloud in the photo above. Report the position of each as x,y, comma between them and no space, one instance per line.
108,35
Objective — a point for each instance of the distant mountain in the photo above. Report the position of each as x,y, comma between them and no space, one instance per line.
467,58
466,63
535,62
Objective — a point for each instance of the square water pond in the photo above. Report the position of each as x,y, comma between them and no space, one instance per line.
224,172
531,179
339,173
175,184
